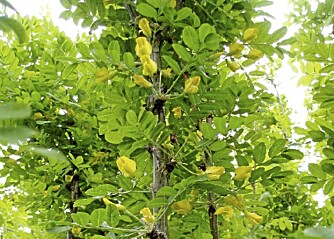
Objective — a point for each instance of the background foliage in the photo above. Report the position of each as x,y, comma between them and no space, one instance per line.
222,142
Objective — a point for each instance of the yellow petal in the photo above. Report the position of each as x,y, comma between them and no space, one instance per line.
167,72
106,201
250,34
126,166
182,207
242,173
177,112
254,54
236,201
191,85
147,215
143,47
144,25
140,81
226,211
253,217
236,49
214,172
149,66
172,3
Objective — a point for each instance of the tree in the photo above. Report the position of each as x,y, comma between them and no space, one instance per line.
158,124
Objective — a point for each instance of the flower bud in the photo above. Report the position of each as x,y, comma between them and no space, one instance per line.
143,47
147,215
242,173
144,25
236,201
167,72
182,207
236,49
233,66
177,112
253,217
250,34
172,3
254,54
149,66
226,211
140,80
214,172
191,85
102,75
126,166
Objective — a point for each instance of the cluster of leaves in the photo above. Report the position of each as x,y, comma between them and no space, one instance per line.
109,111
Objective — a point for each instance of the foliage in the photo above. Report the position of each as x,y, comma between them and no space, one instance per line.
161,119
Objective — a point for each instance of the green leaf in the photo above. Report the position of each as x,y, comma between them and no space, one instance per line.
328,168
83,202
190,38
329,186
235,122
157,202
15,135
51,154
68,70
183,13
113,215
257,73
147,10
317,135
256,174
7,24
129,60
259,153
102,190
14,111
172,63
277,35
82,218
155,3
327,69
211,41
308,179
114,137
98,216
322,232
131,117
166,191
97,51
204,30
292,154
208,131
277,147
182,52
316,170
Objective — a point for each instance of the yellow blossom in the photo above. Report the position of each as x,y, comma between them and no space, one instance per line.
177,112
242,173
236,201
107,201
182,207
236,49
102,75
214,172
167,72
126,166
191,85
233,66
144,25
140,80
149,66
143,47
254,54
253,217
147,215
250,34
172,3
226,211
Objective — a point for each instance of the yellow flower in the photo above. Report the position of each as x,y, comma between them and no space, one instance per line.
144,25
233,66
182,207
149,66
102,75
172,3
236,201
177,112
242,173
236,49
143,47
254,54
214,172
226,211
250,34
140,80
191,85
253,217
107,201
126,166
147,215
167,72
